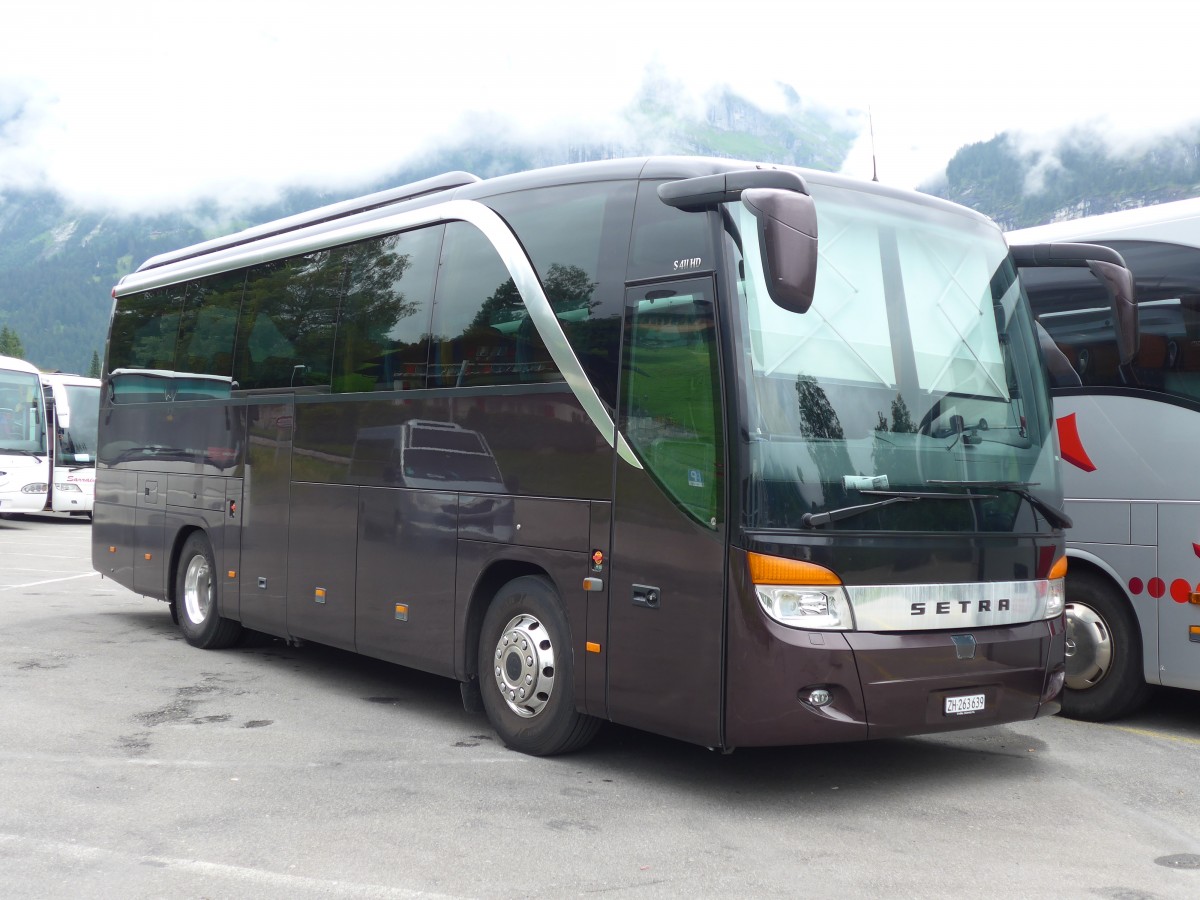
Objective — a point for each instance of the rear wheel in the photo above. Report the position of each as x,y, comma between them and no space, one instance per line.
526,671
196,598
1104,652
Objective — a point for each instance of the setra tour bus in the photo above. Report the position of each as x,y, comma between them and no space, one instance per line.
24,462
738,454
73,409
1127,400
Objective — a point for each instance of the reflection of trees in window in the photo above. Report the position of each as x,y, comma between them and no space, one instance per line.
902,422
819,422
144,329
568,288
288,318
383,332
209,325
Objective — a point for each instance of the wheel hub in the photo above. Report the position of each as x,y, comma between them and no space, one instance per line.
1089,647
524,666
197,590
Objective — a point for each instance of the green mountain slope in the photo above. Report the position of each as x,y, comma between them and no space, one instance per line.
1080,174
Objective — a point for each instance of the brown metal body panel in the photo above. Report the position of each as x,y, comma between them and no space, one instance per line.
265,516
769,664
1009,667
664,662
322,540
149,522
595,663
883,685
112,525
406,554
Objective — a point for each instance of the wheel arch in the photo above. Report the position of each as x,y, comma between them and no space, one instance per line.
494,576
181,538
1144,614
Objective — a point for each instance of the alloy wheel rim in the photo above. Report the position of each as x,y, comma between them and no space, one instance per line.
197,590
523,666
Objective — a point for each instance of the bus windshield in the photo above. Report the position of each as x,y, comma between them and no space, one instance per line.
914,371
77,441
21,422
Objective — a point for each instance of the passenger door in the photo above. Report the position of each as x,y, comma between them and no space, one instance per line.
667,561
266,513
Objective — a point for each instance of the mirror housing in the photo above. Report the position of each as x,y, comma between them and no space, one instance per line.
1106,264
787,234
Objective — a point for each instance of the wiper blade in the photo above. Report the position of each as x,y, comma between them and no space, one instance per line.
13,452
1055,517
814,520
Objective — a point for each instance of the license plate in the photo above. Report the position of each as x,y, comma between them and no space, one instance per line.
964,706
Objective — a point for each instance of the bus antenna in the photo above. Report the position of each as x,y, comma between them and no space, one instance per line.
871,125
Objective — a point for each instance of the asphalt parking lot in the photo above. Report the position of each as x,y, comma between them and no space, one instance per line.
134,765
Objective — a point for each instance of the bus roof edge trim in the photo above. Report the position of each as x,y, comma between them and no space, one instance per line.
342,209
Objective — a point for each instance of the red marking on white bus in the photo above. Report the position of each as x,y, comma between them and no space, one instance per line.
1071,445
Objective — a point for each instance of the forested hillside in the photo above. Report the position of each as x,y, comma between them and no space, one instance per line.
1019,184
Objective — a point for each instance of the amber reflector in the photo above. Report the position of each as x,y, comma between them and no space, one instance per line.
1059,569
593,647
777,570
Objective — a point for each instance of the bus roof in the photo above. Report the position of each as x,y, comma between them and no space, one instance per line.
462,185
1177,222
17,365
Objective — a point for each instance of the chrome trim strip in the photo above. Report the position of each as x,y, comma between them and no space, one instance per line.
483,218
932,607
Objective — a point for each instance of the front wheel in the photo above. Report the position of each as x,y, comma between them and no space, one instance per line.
526,671
1104,652
195,604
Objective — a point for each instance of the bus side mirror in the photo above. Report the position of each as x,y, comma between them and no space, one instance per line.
1106,264
787,234
1118,281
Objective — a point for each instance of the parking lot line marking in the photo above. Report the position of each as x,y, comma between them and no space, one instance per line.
245,874
29,584
1146,732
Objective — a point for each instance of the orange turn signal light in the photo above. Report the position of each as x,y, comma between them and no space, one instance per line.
1059,569
778,570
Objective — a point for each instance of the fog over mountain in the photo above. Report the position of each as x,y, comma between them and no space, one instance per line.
59,260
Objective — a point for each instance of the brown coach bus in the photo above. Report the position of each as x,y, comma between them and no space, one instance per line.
739,454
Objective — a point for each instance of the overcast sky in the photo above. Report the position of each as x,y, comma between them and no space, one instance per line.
149,105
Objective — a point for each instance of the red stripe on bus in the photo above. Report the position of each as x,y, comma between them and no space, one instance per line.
1072,446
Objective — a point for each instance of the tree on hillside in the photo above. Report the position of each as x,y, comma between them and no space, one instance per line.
10,343
94,369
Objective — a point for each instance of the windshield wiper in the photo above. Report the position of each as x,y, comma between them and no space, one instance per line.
814,520
1055,517
12,452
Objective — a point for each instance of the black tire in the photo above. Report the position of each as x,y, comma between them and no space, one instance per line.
1105,679
525,645
196,598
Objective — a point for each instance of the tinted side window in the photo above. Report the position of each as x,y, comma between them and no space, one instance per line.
577,237
142,336
206,334
481,330
286,329
383,329
672,411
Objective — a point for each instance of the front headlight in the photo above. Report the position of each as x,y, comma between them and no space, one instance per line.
800,594
1056,596
39,487
67,486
